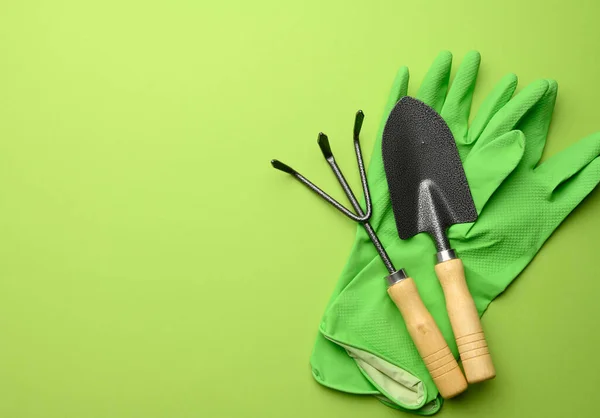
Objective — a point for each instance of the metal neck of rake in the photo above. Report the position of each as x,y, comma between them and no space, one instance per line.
379,247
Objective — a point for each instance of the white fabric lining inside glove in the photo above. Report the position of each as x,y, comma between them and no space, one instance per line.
395,383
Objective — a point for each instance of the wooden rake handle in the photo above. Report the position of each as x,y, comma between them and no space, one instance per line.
470,339
428,339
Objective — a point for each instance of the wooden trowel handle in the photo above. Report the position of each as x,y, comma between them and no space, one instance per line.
472,346
428,339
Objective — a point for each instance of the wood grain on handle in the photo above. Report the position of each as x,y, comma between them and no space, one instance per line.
472,346
428,339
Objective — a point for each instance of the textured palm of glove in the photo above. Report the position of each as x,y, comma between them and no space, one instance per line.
514,222
529,206
330,363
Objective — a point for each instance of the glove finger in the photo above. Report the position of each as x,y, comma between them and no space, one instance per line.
500,95
572,191
536,123
507,118
399,90
435,84
490,163
457,106
564,165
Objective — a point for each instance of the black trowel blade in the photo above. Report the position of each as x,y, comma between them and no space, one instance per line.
427,183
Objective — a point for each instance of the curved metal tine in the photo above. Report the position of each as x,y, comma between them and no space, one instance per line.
358,121
323,142
287,169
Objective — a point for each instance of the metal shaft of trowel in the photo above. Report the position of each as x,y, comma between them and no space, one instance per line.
368,228
441,240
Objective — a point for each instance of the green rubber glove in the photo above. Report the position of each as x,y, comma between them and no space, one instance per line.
517,219
331,365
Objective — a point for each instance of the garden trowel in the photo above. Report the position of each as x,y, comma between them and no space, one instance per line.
429,193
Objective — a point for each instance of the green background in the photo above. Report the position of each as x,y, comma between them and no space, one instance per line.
153,264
